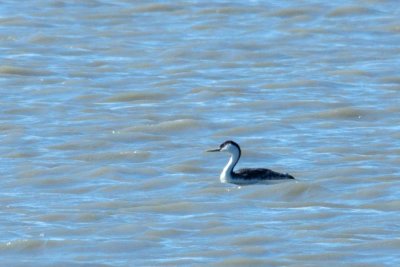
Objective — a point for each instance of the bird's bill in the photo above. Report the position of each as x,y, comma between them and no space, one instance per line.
214,150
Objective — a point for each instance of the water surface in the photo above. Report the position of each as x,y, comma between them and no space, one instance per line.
107,108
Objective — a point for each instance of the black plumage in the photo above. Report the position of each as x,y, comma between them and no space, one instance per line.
260,174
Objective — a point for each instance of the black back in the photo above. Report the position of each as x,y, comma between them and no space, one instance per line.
260,174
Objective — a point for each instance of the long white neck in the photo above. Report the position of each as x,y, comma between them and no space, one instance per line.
226,174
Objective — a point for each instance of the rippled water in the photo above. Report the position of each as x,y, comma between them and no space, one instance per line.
107,108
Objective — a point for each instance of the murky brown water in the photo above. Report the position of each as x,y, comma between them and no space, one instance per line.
107,108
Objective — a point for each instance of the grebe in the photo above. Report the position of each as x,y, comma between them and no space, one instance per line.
244,176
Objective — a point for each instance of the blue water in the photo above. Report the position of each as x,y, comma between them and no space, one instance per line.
107,108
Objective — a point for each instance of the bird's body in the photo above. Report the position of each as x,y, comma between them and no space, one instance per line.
247,175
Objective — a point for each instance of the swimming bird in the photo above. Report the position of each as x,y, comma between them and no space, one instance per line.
247,175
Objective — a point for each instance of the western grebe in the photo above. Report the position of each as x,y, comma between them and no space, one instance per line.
244,176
